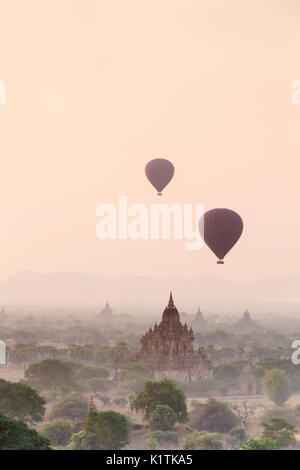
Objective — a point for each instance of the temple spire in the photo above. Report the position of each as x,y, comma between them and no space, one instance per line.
107,312
91,405
246,313
171,301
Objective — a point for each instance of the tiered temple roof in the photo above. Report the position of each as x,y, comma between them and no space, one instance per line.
168,345
167,349
246,321
106,312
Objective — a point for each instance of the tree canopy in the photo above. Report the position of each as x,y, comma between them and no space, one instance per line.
70,407
163,392
21,401
202,441
90,372
279,431
109,428
259,444
48,374
132,371
286,365
213,416
163,418
58,432
276,385
16,435
81,440
228,371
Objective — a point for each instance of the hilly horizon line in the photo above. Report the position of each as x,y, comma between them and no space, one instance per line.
66,288
142,276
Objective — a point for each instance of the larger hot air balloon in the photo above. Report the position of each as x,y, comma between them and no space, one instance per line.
220,229
159,172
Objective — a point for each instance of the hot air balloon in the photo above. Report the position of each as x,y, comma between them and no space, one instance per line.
159,172
220,229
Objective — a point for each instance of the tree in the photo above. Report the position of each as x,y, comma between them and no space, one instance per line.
23,353
58,432
132,371
97,385
163,418
81,352
70,407
162,439
163,392
291,370
118,356
150,442
48,374
259,444
20,401
82,440
238,435
279,431
202,441
244,412
268,363
213,416
110,428
89,372
15,435
276,385
228,372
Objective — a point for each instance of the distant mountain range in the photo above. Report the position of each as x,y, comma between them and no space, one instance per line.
28,287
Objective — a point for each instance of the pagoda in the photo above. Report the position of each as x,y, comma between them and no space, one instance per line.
246,321
106,313
199,320
167,349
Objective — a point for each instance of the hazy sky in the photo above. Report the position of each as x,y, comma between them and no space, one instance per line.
97,88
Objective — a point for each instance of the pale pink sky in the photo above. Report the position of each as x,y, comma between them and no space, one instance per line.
95,89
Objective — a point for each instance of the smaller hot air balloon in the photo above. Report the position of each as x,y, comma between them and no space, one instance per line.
220,229
159,172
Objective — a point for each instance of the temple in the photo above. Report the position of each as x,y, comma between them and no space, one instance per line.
168,350
199,320
247,381
106,313
91,405
79,424
246,321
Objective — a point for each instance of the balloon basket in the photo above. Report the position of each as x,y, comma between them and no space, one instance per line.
159,194
220,262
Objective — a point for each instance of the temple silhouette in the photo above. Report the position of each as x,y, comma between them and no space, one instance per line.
168,349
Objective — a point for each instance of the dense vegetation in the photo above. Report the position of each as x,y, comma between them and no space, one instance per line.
66,360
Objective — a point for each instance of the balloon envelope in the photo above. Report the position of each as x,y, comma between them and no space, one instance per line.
159,172
220,229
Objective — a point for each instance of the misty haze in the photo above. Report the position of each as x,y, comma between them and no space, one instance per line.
136,342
